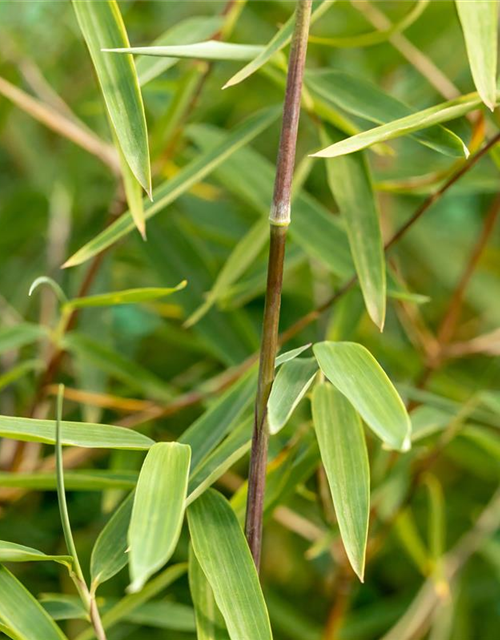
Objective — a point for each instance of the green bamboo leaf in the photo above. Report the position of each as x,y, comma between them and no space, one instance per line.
278,42
208,50
343,451
12,552
290,355
354,372
182,182
109,554
479,20
365,100
158,511
187,31
81,480
403,126
291,384
128,296
21,614
350,182
222,551
209,621
19,336
77,434
102,26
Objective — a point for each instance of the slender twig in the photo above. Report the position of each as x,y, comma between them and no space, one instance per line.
279,221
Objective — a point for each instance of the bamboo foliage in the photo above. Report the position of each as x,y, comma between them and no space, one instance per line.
281,412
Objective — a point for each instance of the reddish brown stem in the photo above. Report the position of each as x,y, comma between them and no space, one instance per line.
279,219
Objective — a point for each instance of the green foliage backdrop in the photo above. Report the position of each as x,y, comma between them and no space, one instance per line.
157,338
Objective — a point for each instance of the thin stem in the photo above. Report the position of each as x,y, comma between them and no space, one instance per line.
76,572
279,220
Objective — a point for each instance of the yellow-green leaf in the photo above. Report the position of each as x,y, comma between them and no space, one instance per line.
77,434
479,20
345,458
208,50
350,182
403,126
209,621
12,552
21,614
353,370
291,384
158,511
102,26
128,296
222,551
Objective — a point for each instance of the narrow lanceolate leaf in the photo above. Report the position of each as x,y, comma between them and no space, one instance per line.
278,42
291,384
109,554
180,183
21,614
350,182
209,621
222,551
479,21
77,434
12,552
209,50
345,458
158,511
102,26
403,126
129,296
354,372
365,100
188,31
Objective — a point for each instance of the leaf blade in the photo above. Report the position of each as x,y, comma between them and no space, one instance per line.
479,21
343,451
289,387
357,375
217,539
22,614
350,183
102,26
403,126
161,491
77,434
